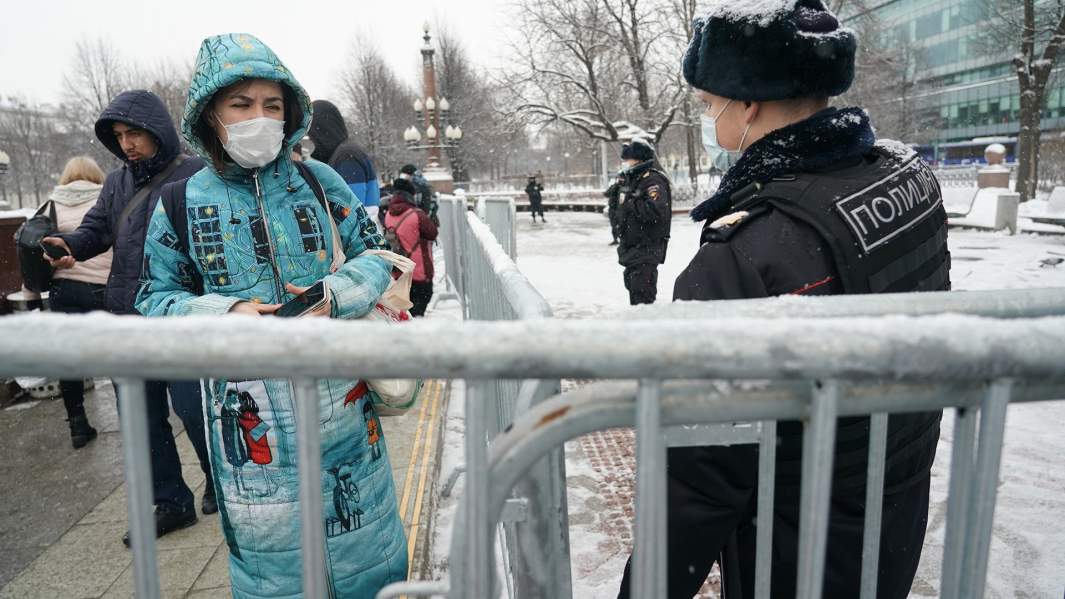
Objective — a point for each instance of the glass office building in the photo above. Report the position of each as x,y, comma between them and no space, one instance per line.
968,96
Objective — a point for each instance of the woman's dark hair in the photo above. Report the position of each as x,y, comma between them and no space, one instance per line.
205,131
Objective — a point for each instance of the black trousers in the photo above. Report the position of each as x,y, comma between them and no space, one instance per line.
420,294
536,208
712,497
642,282
75,297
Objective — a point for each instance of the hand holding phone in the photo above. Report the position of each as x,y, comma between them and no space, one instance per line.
312,300
53,251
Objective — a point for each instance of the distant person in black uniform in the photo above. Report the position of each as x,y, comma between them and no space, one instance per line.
536,198
644,212
810,204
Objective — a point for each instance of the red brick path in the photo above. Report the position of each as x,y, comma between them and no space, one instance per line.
612,455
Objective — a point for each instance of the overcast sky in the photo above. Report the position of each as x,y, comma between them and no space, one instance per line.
313,38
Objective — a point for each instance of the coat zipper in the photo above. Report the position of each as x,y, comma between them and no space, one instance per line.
269,237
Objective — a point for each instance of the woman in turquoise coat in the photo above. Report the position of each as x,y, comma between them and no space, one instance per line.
253,234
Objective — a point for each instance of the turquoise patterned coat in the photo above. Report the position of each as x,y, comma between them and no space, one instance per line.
250,233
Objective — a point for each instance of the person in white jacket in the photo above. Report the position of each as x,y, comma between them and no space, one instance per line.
78,289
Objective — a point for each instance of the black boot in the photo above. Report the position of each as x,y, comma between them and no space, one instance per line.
80,431
209,504
168,519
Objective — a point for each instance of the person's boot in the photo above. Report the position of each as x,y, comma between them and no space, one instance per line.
80,431
209,505
168,519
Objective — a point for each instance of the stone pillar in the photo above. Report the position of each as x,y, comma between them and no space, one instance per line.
995,174
435,172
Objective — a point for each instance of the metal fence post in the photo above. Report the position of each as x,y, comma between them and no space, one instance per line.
309,453
874,504
961,472
133,415
650,543
478,574
818,446
984,489
499,216
541,557
767,466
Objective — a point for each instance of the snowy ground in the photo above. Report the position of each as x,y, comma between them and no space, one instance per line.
569,260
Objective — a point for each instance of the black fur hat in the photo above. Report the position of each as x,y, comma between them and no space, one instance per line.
761,50
638,149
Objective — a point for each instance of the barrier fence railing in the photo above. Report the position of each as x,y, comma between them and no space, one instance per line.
828,357
813,369
536,545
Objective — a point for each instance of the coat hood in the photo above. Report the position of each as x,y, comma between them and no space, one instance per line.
327,130
400,203
76,193
144,110
226,59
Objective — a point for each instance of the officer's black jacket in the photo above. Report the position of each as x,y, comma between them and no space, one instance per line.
765,251
644,215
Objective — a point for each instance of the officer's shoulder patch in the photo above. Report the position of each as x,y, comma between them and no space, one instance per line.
729,220
653,192
722,229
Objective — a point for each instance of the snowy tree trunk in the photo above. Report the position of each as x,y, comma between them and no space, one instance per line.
689,136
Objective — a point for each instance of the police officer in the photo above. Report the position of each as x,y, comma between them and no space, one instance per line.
643,220
534,189
810,204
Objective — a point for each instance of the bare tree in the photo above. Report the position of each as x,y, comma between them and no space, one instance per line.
380,106
475,100
682,13
97,74
168,79
1039,23
36,147
889,82
592,64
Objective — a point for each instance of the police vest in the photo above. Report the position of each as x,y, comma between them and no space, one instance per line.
882,219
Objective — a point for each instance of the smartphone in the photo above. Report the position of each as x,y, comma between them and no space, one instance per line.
54,252
315,297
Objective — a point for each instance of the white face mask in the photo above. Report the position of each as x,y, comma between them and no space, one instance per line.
720,157
254,143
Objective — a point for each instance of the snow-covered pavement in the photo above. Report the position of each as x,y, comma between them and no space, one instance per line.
569,261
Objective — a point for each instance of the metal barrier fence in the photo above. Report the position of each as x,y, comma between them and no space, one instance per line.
880,367
811,359
495,290
826,367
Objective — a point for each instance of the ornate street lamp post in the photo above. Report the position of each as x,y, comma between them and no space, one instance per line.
433,113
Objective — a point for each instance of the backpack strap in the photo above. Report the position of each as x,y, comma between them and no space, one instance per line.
146,191
319,192
173,201
395,230
314,183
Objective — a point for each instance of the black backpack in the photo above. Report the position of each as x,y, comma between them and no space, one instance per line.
36,272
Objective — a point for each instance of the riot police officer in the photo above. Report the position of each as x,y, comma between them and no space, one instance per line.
644,212
810,204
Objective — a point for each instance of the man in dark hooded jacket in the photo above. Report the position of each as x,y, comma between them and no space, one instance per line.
333,147
803,209
137,129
